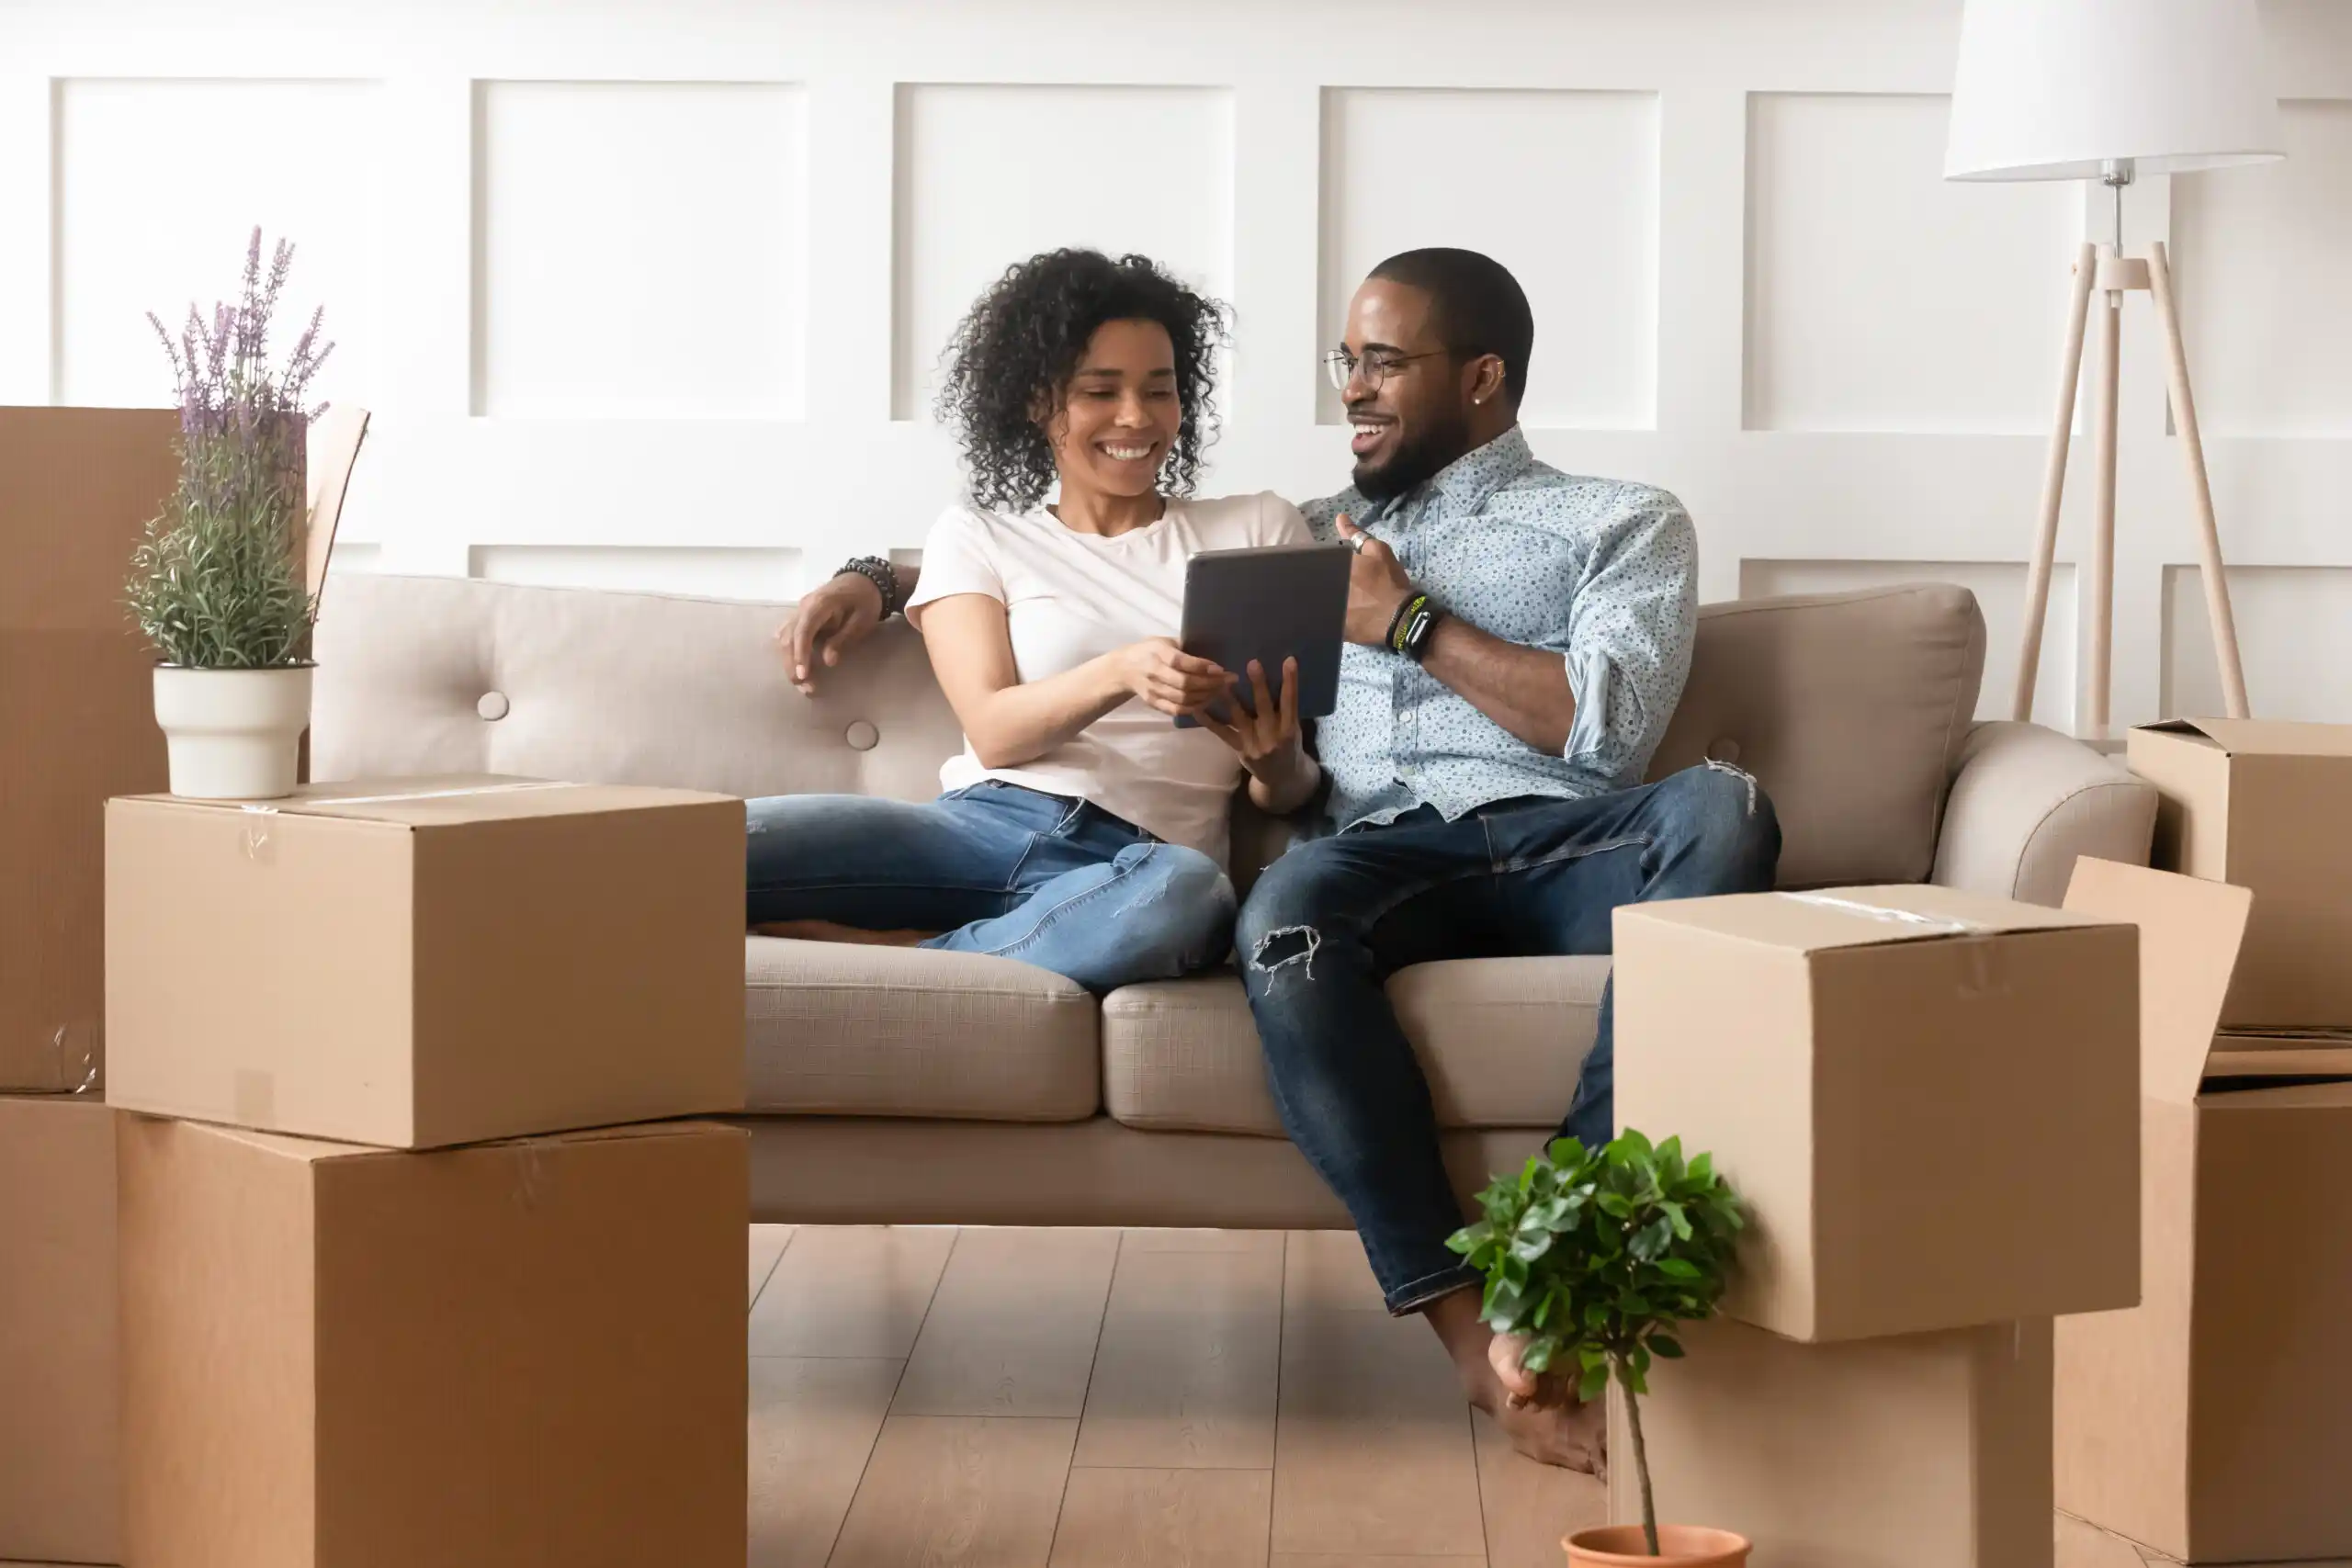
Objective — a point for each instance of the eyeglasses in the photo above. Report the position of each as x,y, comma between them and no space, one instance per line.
1341,365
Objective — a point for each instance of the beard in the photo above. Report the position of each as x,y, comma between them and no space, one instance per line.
1418,459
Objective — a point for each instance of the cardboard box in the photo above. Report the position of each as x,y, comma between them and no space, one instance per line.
427,962
1896,1080
58,1483
520,1355
2215,1421
77,719
1928,1450
2268,806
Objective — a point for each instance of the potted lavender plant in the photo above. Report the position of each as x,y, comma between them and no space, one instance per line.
217,584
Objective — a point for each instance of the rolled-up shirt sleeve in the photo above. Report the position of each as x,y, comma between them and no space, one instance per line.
1630,631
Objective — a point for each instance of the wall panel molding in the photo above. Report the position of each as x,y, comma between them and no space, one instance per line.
651,293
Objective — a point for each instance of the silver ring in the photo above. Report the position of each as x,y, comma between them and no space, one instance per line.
1356,544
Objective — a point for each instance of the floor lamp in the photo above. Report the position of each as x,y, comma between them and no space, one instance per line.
2109,90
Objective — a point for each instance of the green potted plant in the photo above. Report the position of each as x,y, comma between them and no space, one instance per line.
1593,1255
217,584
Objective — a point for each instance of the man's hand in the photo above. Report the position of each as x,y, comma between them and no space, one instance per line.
1265,734
826,623
1376,586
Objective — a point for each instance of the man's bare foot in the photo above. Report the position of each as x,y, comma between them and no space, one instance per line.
827,930
1540,1416
1543,1416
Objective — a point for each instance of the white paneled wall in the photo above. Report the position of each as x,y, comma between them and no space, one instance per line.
988,174
1844,191
640,249
654,294
1582,228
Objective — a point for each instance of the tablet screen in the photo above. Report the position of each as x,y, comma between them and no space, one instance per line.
1270,603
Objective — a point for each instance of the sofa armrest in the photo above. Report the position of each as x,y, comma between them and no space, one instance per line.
2025,802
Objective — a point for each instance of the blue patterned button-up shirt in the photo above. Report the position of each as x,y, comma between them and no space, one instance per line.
1601,572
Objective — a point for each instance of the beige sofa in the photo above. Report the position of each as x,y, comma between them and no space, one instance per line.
913,1087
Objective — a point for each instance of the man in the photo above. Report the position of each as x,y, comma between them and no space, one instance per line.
1517,639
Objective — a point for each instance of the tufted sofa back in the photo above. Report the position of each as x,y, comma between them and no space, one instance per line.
1851,708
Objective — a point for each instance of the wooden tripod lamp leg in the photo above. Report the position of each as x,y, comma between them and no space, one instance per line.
2106,373
2054,490
2201,489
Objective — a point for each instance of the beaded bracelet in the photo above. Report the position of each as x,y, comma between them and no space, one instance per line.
880,573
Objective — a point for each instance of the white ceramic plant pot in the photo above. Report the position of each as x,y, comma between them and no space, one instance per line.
234,734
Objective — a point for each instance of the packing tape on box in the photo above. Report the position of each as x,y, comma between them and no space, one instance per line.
510,787
258,813
1981,974
530,1174
73,1055
256,838
1939,925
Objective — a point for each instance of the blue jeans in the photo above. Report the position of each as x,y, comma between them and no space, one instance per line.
995,869
1332,921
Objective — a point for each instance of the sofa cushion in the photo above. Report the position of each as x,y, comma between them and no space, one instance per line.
907,1031
1851,708
1500,1041
436,675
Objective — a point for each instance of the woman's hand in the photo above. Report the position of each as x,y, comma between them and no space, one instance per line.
829,620
1166,677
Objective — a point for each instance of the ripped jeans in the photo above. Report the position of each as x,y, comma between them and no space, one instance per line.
995,869
1332,921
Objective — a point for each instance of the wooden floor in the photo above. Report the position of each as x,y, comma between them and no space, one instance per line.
932,1398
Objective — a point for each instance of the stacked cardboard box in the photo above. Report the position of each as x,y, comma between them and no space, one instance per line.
58,1475
77,718
497,1321
2214,1421
77,725
1927,1101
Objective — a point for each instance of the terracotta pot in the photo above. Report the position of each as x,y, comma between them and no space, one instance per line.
1679,1546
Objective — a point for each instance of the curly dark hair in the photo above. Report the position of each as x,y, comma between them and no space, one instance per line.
1022,343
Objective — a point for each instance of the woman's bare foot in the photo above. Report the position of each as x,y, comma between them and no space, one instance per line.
826,930
1540,1416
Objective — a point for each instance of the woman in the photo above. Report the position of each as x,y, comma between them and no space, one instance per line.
1082,829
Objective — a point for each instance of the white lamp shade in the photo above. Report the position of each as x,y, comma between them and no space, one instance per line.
2055,89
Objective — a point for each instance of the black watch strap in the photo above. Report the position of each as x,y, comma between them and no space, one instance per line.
1416,618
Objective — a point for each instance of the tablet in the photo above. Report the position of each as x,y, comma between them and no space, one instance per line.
1274,602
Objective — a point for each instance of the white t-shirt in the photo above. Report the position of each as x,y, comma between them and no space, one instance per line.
1070,597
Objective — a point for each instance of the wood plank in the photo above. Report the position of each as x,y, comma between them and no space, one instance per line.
1529,1508
1350,1560
1164,1519
814,1420
1186,1372
1327,1272
961,1490
1372,1446
1201,1241
1013,1329
768,1243
859,1291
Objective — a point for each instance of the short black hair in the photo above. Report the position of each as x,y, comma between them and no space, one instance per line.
1023,342
1476,306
